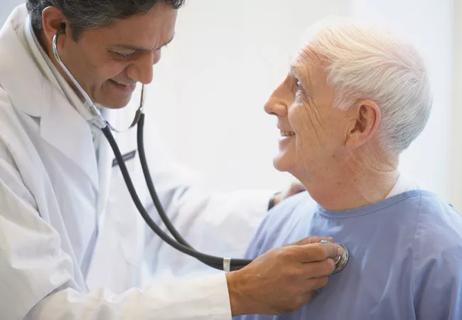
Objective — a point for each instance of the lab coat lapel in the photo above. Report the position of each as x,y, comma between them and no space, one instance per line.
105,156
63,127
33,94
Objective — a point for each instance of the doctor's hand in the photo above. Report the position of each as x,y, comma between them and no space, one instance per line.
293,189
283,279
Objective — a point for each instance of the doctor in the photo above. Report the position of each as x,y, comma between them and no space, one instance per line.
71,245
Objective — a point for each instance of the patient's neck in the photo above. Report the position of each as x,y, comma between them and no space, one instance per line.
362,179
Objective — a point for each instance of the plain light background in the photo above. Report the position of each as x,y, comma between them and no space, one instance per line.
210,87
208,94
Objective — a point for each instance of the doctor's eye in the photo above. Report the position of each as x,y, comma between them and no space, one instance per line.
123,53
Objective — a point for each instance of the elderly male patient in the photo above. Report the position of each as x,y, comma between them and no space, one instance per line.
353,100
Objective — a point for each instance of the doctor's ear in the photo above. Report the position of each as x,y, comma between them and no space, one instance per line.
53,22
365,116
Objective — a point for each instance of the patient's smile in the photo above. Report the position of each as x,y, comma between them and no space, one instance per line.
287,133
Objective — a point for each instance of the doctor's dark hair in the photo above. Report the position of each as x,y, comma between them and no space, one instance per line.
90,14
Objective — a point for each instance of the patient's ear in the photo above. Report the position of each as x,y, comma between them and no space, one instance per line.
365,118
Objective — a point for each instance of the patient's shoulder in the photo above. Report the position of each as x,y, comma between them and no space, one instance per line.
438,235
438,222
437,258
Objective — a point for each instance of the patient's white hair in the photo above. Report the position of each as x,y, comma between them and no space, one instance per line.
368,63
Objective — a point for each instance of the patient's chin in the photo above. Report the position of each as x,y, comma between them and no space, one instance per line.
281,164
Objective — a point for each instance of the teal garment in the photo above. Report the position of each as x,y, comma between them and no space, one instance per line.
405,257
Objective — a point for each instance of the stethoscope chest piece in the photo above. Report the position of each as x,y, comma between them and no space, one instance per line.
342,260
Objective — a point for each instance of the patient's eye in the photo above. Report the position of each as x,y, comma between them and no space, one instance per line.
298,84
299,90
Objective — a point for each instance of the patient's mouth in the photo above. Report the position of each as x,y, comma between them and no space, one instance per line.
287,133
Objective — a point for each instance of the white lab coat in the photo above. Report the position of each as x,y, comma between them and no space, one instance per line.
72,245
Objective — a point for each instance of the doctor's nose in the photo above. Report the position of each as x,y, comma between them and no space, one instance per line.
142,69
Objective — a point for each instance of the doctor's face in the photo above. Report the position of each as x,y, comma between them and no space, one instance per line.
312,130
109,61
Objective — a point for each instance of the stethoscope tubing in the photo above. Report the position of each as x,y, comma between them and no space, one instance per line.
177,242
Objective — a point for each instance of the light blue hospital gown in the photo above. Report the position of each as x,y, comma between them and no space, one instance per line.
405,263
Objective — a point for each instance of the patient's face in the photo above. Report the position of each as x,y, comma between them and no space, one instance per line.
313,132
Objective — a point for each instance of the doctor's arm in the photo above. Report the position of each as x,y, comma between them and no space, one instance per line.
39,280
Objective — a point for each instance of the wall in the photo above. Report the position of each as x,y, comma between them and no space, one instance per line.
428,24
455,180
227,57
209,89
5,8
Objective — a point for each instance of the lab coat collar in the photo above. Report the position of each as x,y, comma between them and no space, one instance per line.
27,92
28,81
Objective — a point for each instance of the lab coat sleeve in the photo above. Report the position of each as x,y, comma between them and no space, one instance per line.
438,284
38,282
186,299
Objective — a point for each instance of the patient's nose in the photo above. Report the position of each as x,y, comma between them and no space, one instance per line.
279,100
275,107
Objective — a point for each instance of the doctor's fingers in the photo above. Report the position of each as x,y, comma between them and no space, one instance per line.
319,269
314,239
304,296
311,285
312,252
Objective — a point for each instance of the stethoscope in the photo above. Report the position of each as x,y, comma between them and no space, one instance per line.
177,242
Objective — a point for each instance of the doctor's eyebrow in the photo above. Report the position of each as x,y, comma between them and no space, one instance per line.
135,48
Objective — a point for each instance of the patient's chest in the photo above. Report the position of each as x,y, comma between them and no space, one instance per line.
376,283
